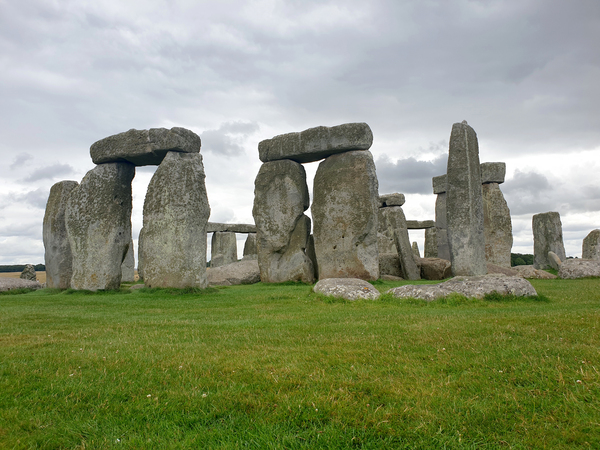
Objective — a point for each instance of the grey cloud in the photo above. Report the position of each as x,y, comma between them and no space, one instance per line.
21,159
409,175
228,138
50,172
36,198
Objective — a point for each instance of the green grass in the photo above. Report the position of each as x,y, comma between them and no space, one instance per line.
276,366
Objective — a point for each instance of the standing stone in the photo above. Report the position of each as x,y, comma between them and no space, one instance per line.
250,250
464,203
415,250
396,222
58,257
128,266
431,243
345,211
28,273
439,187
98,219
591,246
547,237
140,252
176,212
223,248
280,199
497,226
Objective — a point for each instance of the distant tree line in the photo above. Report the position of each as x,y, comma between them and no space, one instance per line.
20,267
517,259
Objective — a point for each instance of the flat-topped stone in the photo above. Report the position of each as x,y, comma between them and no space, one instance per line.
316,143
440,184
144,147
493,172
214,227
419,224
347,288
394,199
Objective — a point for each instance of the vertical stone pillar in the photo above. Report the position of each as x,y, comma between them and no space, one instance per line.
57,249
250,250
464,203
176,212
497,224
441,225
345,212
547,237
223,248
431,243
415,250
140,254
590,248
128,266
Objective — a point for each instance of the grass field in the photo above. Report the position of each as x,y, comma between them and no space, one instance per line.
276,366
41,276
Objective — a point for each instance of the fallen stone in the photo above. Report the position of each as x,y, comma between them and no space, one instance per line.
493,268
547,237
241,272
395,199
579,268
316,143
223,248
528,271
214,227
28,273
8,284
128,266
347,288
419,224
497,226
591,246
435,268
493,172
554,260
470,287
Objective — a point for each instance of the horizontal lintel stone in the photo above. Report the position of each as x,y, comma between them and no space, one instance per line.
419,224
214,227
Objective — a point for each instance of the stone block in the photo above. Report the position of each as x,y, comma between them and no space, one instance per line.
547,237
395,199
223,248
590,248
493,172
214,227
497,226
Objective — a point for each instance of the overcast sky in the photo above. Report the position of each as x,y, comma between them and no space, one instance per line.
525,75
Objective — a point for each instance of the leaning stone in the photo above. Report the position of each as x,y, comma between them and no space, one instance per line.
497,226
396,221
316,143
464,203
57,254
223,248
528,271
250,250
415,250
8,284
435,269
579,268
547,237
395,199
431,247
345,213
591,246
214,227
389,264
98,219
144,147
128,266
28,273
554,260
241,272
176,212
347,288
493,172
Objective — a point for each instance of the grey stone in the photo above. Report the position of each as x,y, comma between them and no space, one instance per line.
415,250
395,199
280,199
250,250
528,271
443,250
435,268
497,226
547,237
316,143
144,147
431,243
312,255
347,288
389,264
472,287
464,203
223,248
493,172
590,248
98,220
385,233
554,260
345,213
391,278
419,224
579,268
176,212
57,254
213,227
493,268
128,265
241,272
28,273
140,254
396,223
8,284
440,184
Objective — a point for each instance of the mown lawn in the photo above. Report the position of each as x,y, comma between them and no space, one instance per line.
276,366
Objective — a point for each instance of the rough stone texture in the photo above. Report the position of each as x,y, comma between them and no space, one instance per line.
493,172
591,246
554,260
493,268
242,272
385,233
547,237
435,268
345,212
396,225
464,203
7,284
213,227
280,199
419,224
58,257
312,255
440,184
316,143
475,286
128,266
140,252
98,220
389,264
144,147
250,250
443,250
223,248
391,278
28,273
497,226
431,243
579,268
415,250
395,199
176,212
347,288
527,271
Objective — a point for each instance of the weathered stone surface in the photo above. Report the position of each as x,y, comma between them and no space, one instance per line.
497,226
431,243
176,212
440,184
475,286
57,255
395,199
128,265
493,172
493,268
250,250
28,273
345,212
385,233
144,147
547,237
554,260
214,227
435,268
140,254
389,264
415,250
316,143
419,224
280,199
579,268
7,284
223,248
347,288
396,225
464,203
312,255
391,278
241,272
443,250
591,246
528,271
98,221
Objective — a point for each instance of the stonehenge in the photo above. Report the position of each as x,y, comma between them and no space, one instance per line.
223,248
590,248
547,237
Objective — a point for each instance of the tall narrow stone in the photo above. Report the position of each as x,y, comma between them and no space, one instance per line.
98,219
415,250
128,265
396,221
57,254
223,248
250,250
345,212
441,226
464,203
176,212
497,226
282,229
140,254
431,243
590,248
547,237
